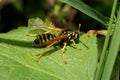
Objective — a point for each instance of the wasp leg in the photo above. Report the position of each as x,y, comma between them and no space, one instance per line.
32,35
63,49
47,32
50,31
40,55
74,44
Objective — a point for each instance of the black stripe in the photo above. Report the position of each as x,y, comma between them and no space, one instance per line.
44,37
36,41
50,36
40,38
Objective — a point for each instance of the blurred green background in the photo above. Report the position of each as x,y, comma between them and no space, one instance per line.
14,13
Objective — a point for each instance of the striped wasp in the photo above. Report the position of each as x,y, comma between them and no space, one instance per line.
48,39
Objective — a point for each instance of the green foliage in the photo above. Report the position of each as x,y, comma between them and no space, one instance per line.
81,6
17,59
34,21
109,54
113,51
17,56
38,21
34,25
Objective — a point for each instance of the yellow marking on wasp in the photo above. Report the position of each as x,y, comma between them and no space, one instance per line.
73,33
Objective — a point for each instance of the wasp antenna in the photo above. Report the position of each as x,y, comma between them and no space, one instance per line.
79,27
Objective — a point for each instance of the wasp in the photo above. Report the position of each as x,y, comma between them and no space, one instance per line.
47,39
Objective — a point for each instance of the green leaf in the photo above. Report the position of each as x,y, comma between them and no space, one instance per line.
34,21
115,71
113,49
81,6
34,25
105,52
17,59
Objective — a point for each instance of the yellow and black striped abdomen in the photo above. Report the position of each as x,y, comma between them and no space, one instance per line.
42,39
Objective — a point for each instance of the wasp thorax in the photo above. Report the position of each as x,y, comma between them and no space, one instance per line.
72,35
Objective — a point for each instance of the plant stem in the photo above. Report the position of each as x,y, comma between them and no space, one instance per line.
113,51
104,51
